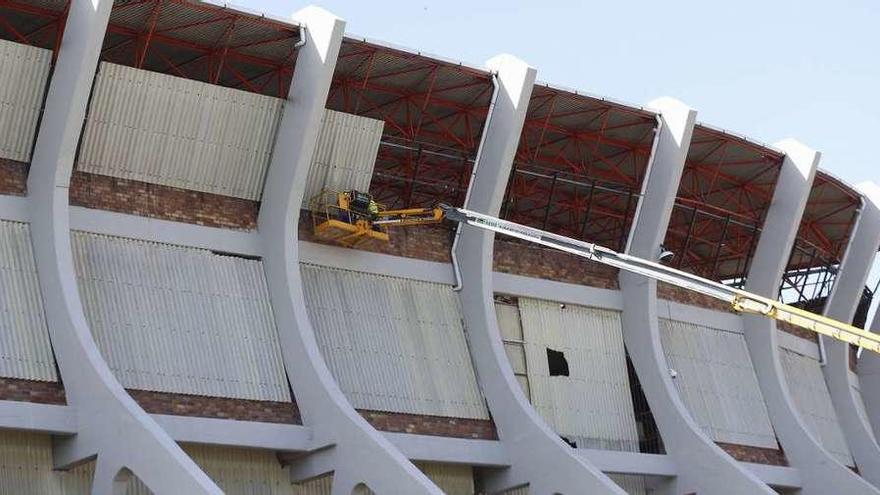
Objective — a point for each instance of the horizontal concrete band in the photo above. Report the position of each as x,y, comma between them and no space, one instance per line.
61,420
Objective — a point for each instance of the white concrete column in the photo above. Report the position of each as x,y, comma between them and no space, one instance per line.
538,456
703,466
357,452
820,473
842,304
110,424
868,368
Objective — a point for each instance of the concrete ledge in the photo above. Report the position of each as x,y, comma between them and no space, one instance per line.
610,461
490,453
777,476
233,433
38,418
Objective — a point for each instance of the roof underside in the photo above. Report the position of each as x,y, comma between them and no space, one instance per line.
433,111
827,223
203,42
579,166
33,22
726,188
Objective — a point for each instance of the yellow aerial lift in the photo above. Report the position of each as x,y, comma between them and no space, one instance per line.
352,217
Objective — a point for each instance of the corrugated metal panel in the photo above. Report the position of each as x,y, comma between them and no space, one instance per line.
453,479
167,130
717,382
345,154
183,320
511,333
26,467
631,484
393,344
860,403
592,405
24,71
810,394
25,350
242,471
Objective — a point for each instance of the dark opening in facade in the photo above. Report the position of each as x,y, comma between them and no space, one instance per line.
557,363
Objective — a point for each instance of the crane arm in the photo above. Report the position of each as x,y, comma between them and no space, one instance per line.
739,300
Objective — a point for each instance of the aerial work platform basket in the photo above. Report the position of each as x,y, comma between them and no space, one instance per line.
346,218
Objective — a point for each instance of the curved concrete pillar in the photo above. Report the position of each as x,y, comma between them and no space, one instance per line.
842,304
703,466
109,423
869,376
354,449
820,473
538,456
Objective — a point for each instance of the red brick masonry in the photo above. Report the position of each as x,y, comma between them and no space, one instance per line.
216,407
32,391
483,429
758,455
13,177
163,202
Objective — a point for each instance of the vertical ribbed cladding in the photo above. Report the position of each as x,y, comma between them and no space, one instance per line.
860,402
177,132
593,405
174,319
453,479
26,467
24,71
813,401
512,334
717,383
25,349
345,154
393,344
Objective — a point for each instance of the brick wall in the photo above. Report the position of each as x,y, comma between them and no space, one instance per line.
416,424
216,407
163,202
32,391
798,331
13,177
519,258
684,296
758,455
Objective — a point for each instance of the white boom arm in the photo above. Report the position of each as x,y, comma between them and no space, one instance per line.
739,300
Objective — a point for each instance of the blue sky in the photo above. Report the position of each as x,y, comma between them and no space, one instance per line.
767,69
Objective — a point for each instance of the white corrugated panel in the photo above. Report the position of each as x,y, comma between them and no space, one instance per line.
345,154
860,403
24,71
717,382
183,320
393,344
25,350
168,130
810,394
26,467
453,479
631,483
592,406
511,333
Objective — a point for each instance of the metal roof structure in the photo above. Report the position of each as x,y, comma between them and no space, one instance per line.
434,111
581,158
726,187
580,165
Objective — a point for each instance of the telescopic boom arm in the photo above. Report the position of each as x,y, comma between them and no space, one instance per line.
739,300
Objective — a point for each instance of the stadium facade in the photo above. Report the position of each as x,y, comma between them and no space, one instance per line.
169,323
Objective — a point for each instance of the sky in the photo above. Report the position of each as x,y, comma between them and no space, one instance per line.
769,69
